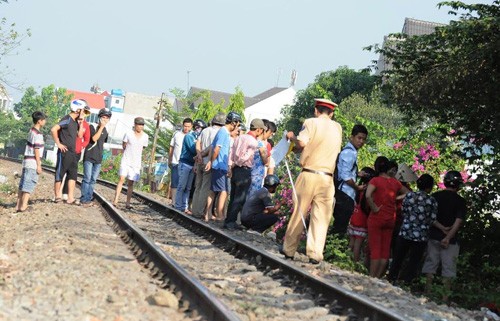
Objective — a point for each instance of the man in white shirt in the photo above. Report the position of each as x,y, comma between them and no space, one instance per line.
130,166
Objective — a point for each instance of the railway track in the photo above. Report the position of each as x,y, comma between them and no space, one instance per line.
218,276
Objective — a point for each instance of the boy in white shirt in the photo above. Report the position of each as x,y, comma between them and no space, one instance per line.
130,166
32,164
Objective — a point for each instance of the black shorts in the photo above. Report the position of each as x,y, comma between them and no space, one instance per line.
67,163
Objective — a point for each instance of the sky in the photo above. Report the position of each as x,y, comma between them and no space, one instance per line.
152,46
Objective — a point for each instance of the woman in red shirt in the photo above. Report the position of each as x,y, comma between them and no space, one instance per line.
381,195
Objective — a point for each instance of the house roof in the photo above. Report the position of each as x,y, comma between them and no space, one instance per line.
217,96
270,92
95,101
414,27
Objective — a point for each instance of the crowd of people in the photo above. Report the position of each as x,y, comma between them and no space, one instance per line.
223,161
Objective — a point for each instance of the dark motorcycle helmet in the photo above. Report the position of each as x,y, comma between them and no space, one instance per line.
198,123
233,117
104,112
453,179
271,181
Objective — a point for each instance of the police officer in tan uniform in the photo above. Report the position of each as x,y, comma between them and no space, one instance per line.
319,140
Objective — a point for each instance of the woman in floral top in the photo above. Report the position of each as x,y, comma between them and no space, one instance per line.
419,212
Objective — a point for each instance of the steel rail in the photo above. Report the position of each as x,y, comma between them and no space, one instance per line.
357,306
163,267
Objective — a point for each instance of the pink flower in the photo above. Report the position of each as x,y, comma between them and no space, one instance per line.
441,185
434,154
451,132
397,145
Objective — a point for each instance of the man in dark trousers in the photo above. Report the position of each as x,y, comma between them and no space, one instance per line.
347,173
65,134
92,157
242,155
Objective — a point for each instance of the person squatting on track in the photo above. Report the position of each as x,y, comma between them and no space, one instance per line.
186,167
130,166
92,157
347,174
319,140
65,134
259,212
32,163
381,194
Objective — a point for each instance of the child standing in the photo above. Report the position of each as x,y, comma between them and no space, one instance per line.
32,164
358,228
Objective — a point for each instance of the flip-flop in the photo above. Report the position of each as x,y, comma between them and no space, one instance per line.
75,202
128,207
57,200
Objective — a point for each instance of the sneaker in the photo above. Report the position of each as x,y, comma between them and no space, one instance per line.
287,257
313,261
233,226
254,232
64,197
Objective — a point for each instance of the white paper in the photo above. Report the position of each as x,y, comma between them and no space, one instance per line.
279,151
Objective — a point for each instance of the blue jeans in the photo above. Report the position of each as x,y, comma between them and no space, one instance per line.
90,174
186,176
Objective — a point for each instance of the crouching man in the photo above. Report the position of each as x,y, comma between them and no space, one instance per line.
259,213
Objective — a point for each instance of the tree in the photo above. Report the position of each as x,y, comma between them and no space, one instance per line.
207,109
52,101
335,85
372,107
10,40
237,103
453,74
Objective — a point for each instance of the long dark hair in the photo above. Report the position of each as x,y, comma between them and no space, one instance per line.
369,174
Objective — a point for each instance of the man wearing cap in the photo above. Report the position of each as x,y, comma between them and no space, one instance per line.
130,166
241,162
65,134
203,178
92,158
319,140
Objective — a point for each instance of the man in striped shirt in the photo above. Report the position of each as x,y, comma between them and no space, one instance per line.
32,164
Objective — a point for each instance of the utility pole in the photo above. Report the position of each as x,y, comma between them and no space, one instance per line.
187,90
152,184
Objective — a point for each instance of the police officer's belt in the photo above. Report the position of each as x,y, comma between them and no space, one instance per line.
316,172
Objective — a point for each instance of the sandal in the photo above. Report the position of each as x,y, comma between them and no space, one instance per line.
128,207
27,209
57,200
75,202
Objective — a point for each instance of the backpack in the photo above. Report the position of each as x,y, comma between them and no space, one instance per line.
337,181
